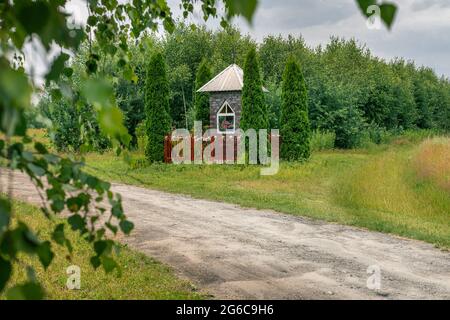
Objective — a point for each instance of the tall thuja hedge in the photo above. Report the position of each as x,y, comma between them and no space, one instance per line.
254,110
158,121
295,128
201,100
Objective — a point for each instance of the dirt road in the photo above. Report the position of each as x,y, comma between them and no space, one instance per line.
233,252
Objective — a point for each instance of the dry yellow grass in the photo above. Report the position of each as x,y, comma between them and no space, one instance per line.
386,194
432,162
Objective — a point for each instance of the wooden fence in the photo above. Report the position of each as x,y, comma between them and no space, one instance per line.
227,140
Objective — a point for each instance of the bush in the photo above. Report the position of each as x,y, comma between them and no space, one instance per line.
141,136
74,126
322,140
349,128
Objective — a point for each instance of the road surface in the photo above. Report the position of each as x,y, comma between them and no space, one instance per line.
232,252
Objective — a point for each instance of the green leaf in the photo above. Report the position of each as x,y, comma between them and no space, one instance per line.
100,247
33,16
126,226
40,148
45,254
244,8
5,272
388,13
92,21
117,210
57,205
56,94
169,25
76,222
74,204
388,10
21,239
5,214
91,66
365,4
108,264
111,227
15,97
95,262
58,234
68,72
38,171
57,67
26,291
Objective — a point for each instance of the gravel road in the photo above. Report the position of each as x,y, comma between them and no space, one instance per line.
232,252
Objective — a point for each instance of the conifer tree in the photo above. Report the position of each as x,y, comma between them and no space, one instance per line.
294,123
254,109
158,121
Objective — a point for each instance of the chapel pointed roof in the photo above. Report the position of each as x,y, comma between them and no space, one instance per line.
230,79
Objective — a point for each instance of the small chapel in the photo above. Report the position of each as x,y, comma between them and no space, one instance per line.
225,100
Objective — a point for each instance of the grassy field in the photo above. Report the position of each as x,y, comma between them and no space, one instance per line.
381,188
141,277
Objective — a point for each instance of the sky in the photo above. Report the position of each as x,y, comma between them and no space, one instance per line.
421,31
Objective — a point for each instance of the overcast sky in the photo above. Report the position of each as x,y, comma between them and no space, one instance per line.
421,31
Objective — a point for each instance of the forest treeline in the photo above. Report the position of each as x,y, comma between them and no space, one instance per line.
351,92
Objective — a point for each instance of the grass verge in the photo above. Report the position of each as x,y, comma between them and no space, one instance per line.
141,277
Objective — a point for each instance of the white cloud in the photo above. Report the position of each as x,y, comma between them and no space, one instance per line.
420,31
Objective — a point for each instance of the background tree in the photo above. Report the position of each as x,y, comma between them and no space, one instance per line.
254,110
295,129
180,102
229,46
201,102
158,121
129,99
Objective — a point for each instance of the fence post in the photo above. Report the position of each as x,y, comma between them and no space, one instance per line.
167,150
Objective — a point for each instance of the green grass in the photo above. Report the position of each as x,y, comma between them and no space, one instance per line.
374,188
141,277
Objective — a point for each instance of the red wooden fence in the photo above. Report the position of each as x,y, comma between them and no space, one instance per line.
169,144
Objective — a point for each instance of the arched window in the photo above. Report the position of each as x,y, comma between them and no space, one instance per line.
226,119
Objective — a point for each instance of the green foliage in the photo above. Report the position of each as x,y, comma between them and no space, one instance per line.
74,127
230,46
131,103
201,102
254,109
158,122
295,128
322,140
349,127
180,80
